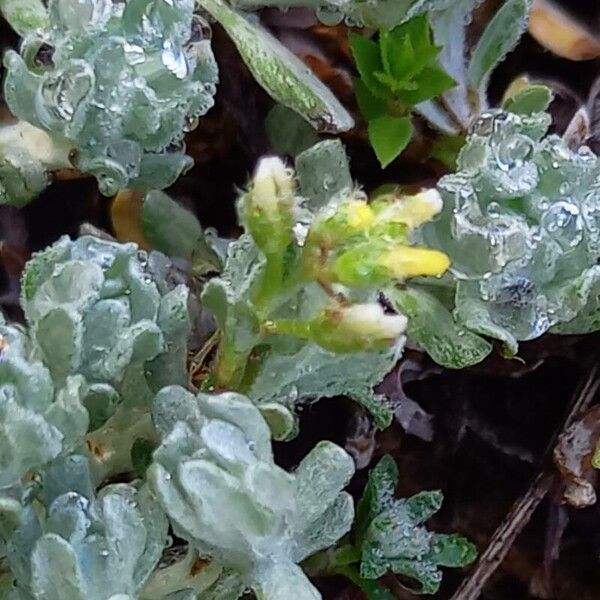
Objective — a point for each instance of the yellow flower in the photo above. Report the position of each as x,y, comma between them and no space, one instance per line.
406,261
360,215
410,210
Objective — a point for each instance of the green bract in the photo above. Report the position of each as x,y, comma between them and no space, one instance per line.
521,226
88,549
215,477
119,83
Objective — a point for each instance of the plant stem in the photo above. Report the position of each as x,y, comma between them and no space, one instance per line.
270,285
230,365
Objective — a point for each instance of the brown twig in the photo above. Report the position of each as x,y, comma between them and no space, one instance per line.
523,509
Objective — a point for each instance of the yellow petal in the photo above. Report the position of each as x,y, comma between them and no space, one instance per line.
412,211
360,215
408,261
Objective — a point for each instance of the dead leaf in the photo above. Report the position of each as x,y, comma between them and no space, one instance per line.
578,130
573,458
126,217
560,33
360,439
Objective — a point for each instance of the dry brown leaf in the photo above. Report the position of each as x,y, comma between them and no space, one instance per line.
560,33
578,130
573,458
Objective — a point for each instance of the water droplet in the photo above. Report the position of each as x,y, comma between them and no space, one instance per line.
134,54
174,60
512,152
64,91
564,223
191,123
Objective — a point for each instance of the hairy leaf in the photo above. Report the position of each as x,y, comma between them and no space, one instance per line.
280,72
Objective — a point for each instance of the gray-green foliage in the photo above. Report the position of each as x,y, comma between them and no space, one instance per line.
372,13
104,310
215,477
119,82
176,232
39,418
116,86
86,548
469,67
520,224
283,75
24,15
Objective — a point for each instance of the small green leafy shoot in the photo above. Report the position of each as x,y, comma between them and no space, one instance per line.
392,537
397,72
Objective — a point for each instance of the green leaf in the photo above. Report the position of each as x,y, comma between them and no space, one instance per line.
288,132
280,72
390,534
430,324
452,550
323,171
474,313
382,13
397,53
531,99
378,492
314,373
408,48
177,232
367,56
432,81
370,105
371,589
389,136
499,38
25,16
449,21
447,148
141,456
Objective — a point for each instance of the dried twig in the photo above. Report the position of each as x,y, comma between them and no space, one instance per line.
522,510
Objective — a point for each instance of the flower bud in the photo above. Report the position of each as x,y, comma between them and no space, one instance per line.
339,222
412,211
375,263
356,328
404,262
267,209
